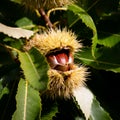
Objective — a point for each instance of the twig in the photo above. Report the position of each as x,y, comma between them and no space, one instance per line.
55,9
92,5
46,18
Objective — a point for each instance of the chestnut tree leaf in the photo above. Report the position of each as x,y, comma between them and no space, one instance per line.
106,58
108,39
35,68
89,105
25,23
81,14
97,112
28,102
3,90
15,32
51,113
17,1
83,98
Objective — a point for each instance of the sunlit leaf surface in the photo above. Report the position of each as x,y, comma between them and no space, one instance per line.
35,68
28,102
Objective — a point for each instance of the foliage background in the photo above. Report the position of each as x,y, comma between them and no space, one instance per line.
104,79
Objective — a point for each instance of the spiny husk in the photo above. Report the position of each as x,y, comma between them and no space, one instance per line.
62,84
55,39
46,4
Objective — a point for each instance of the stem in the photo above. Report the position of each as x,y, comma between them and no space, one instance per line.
93,5
55,9
46,18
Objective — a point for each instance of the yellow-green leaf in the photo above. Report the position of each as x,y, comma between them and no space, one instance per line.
35,68
108,39
106,58
87,20
28,102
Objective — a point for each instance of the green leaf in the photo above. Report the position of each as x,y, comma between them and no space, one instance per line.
17,1
97,112
51,113
106,58
83,15
35,68
86,19
108,39
25,23
88,104
28,102
3,90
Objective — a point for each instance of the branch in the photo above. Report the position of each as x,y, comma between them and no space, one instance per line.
46,18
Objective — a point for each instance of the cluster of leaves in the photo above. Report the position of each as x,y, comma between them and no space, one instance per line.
25,73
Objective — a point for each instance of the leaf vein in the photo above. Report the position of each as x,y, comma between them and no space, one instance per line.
33,65
25,101
103,62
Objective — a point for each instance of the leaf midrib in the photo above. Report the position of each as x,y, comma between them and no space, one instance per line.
25,101
97,61
32,64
